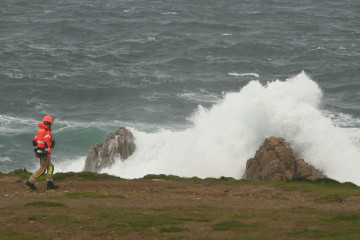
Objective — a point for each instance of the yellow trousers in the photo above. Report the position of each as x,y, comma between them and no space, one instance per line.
45,165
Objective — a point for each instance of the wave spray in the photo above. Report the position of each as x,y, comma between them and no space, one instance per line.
223,137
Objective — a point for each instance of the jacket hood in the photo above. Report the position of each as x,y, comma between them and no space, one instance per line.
42,125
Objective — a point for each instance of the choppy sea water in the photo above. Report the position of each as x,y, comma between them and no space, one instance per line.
200,84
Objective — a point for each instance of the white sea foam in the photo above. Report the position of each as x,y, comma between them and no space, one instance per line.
15,125
169,13
204,96
244,74
70,165
225,136
5,159
16,74
342,120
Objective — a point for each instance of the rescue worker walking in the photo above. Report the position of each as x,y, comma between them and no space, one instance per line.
43,142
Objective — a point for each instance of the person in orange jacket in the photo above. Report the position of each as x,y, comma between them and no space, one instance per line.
43,142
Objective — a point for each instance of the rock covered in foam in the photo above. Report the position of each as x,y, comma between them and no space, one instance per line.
118,145
275,160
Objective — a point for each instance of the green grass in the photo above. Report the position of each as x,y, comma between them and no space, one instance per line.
63,220
116,226
56,219
78,195
231,225
24,174
158,220
172,229
325,189
177,178
179,222
168,221
44,204
84,176
162,176
9,234
165,219
351,217
37,217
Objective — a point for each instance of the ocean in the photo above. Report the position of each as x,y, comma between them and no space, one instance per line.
200,84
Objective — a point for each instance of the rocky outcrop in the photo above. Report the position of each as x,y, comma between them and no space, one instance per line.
118,145
276,161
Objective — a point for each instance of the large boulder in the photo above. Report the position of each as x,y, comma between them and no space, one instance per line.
118,145
276,161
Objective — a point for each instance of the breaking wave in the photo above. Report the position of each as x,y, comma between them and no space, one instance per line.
223,137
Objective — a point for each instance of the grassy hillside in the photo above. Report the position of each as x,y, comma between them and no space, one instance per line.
100,206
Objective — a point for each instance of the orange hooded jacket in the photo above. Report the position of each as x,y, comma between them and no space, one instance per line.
43,138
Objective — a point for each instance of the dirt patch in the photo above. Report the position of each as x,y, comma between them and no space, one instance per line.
9,179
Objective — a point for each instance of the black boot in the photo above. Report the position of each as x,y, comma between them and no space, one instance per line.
31,185
51,185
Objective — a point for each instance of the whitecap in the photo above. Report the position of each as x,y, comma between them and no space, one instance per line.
16,125
169,13
5,159
244,74
14,74
199,97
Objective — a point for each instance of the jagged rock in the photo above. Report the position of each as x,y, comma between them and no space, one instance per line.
304,170
276,161
119,144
